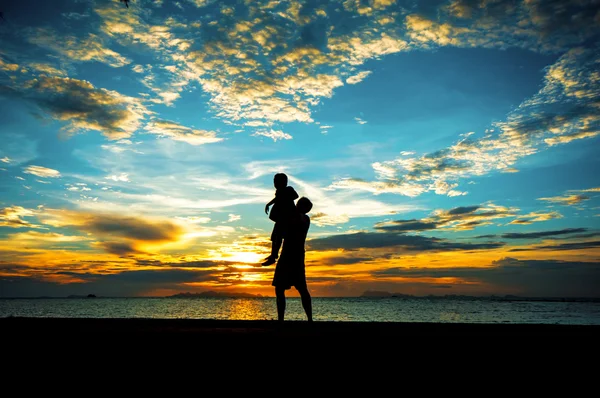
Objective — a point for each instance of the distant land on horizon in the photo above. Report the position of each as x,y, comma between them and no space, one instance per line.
508,297
366,294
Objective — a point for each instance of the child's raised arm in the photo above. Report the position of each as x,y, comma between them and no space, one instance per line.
269,204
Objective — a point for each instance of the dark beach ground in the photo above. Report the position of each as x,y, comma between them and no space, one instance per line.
258,329
261,345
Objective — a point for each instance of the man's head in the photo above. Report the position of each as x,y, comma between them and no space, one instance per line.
280,180
304,205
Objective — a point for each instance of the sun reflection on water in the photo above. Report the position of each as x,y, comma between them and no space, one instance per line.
246,309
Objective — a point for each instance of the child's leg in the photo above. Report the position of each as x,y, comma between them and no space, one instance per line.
276,239
276,242
276,245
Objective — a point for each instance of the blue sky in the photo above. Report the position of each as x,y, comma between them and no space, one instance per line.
449,147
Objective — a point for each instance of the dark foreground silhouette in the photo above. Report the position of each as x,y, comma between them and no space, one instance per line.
361,333
290,270
156,344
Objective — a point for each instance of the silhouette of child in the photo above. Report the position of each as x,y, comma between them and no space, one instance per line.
281,212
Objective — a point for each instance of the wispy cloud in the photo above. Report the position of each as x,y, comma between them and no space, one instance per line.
41,171
89,48
566,199
536,216
274,135
178,132
13,217
458,218
572,197
123,177
44,237
542,234
402,242
338,208
359,77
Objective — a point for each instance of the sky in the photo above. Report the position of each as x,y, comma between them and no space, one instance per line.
448,147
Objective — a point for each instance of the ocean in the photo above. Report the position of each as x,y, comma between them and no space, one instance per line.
362,309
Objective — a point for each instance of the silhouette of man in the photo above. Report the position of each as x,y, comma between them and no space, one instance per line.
290,268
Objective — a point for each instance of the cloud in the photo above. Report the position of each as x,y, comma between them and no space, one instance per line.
458,218
564,109
234,217
378,187
536,216
359,77
567,199
399,241
586,245
533,278
5,159
13,217
338,208
85,107
89,48
304,65
538,25
312,49
45,237
119,248
195,219
46,69
129,283
41,171
10,67
117,234
274,135
597,189
338,260
571,197
406,226
467,218
75,15
123,177
542,234
177,132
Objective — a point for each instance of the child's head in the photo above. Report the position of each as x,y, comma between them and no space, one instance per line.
280,180
304,205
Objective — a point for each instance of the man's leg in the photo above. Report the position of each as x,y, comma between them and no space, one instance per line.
280,295
306,301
